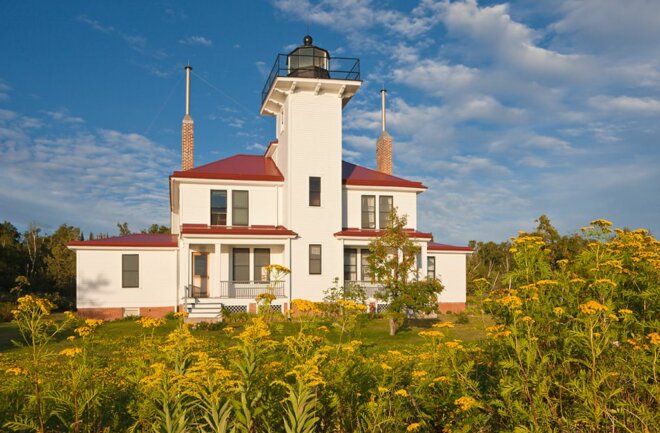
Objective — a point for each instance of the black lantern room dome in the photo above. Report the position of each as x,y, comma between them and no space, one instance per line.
308,60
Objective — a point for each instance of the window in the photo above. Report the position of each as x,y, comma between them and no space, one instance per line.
384,210
430,267
364,264
261,260
218,208
241,264
315,259
315,191
239,208
350,264
368,211
130,270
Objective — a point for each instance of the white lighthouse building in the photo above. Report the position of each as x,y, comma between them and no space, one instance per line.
298,205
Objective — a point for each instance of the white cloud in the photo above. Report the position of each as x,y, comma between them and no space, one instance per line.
196,40
256,147
90,178
62,115
626,104
4,91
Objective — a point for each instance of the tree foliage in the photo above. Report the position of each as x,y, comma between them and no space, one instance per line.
393,263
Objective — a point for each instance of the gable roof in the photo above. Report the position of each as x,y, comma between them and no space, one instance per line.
263,168
133,240
357,175
237,167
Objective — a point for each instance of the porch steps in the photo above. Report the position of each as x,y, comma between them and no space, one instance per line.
204,310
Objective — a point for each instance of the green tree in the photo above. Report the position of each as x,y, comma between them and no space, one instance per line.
392,263
123,229
61,262
12,257
156,229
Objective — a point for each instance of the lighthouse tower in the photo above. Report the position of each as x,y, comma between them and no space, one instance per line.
306,92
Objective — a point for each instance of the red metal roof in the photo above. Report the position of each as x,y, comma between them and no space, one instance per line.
357,175
203,229
432,246
134,240
237,167
369,233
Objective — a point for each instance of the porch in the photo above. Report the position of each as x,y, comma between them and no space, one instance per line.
239,290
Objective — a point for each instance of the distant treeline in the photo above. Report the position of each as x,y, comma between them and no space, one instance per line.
493,261
37,262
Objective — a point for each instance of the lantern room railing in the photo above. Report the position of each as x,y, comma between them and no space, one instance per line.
338,68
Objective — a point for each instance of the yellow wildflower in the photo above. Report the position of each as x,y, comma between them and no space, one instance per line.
511,301
431,334
385,366
323,328
654,338
558,311
441,379
497,331
181,315
592,307
603,282
601,222
413,427
443,325
304,306
419,373
456,344
17,371
625,311
150,322
83,331
465,403
71,352
402,393
382,390
527,319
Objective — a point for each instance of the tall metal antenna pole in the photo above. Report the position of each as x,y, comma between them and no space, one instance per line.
188,70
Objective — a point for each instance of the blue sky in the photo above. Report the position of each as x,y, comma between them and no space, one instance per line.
505,110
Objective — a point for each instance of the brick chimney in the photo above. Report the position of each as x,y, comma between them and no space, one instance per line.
384,143
187,130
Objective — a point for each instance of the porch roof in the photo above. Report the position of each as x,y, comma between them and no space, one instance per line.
133,240
432,246
255,230
372,233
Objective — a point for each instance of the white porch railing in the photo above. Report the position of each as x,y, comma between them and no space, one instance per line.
370,289
250,289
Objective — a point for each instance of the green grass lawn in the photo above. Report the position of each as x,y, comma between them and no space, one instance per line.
373,332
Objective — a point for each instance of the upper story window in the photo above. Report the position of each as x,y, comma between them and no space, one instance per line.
218,208
315,191
315,259
130,270
240,208
368,211
384,210
430,267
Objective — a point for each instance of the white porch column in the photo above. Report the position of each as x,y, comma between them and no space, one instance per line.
216,269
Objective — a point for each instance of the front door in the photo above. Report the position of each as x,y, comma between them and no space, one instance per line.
200,281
